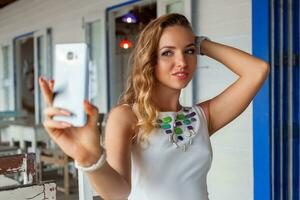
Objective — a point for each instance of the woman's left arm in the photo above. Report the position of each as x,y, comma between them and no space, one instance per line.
252,72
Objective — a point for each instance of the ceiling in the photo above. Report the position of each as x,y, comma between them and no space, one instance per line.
4,3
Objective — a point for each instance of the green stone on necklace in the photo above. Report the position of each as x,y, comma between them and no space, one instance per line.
178,131
181,117
165,126
167,119
186,122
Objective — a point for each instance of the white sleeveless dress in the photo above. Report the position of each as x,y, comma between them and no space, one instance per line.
173,165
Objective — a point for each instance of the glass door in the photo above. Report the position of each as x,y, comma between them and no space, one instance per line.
125,22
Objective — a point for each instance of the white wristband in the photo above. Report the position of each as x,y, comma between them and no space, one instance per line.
95,166
198,41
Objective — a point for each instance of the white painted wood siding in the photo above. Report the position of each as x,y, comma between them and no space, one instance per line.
228,22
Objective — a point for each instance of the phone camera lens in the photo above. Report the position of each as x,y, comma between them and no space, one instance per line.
70,55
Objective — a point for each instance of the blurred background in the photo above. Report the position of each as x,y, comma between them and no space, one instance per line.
255,157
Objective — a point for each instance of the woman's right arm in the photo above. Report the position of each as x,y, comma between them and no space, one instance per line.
113,180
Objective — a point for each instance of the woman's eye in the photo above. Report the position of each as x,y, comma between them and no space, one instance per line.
167,53
190,51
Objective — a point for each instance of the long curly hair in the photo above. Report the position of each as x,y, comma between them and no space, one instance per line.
142,80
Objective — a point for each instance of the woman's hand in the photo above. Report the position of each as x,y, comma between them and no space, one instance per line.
80,143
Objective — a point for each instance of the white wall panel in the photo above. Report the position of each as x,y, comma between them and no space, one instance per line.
228,22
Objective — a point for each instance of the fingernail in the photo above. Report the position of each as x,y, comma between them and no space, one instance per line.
51,81
88,104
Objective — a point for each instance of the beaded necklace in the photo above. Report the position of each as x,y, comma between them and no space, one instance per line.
180,128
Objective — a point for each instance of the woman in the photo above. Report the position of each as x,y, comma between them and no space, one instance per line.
156,149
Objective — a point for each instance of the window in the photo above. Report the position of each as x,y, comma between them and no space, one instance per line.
95,39
7,88
6,81
20,95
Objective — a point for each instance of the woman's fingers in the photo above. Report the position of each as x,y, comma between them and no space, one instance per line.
51,85
49,112
92,111
56,124
46,90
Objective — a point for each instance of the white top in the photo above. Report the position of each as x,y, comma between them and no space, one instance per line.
168,167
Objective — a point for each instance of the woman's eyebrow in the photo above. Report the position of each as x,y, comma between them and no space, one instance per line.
192,44
169,47
173,47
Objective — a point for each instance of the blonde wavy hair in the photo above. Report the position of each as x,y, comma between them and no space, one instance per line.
141,80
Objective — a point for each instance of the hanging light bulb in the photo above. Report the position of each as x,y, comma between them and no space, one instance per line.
129,18
125,44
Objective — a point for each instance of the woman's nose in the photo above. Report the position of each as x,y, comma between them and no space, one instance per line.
181,60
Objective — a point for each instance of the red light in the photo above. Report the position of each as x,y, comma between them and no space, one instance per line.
125,44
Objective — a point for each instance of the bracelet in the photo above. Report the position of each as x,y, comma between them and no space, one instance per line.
95,166
198,41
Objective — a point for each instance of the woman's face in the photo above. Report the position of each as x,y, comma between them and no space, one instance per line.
176,57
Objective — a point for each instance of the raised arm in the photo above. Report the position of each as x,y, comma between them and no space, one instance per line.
252,72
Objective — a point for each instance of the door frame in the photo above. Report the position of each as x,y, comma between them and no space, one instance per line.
261,104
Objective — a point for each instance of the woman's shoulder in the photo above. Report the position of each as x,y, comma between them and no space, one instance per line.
123,109
123,115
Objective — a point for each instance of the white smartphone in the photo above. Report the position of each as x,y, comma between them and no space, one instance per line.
71,82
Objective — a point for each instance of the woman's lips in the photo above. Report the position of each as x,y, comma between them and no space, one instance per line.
181,75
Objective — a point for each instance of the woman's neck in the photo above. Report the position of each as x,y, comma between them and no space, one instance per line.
166,99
